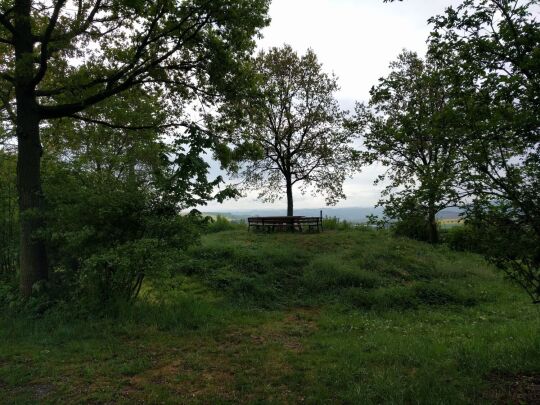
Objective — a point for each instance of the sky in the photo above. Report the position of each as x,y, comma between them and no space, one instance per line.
356,40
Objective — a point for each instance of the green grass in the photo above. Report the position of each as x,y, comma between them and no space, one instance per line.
350,316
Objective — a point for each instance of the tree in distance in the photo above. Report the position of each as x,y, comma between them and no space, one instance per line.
296,128
408,127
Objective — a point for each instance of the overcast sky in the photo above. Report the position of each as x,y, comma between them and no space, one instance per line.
355,39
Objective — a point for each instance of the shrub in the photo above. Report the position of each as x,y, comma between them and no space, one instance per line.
8,294
335,224
413,227
219,224
464,238
104,235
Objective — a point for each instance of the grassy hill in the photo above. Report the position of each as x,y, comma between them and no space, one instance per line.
339,317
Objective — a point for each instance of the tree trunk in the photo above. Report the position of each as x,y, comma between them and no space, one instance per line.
290,203
433,227
33,261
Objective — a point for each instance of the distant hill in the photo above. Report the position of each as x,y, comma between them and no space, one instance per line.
352,214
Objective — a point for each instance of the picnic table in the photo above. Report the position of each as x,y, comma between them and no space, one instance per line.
285,223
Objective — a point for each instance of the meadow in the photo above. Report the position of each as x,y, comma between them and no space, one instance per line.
347,316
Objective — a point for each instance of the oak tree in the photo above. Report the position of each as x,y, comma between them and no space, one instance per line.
297,125
61,57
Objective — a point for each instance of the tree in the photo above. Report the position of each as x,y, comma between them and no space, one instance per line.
497,90
408,127
297,126
60,58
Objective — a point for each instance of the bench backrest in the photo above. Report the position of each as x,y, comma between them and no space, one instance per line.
283,220
309,220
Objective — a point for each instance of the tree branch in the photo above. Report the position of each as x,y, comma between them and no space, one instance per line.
45,43
72,34
5,22
126,127
63,110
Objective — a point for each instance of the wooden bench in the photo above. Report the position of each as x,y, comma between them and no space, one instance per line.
311,223
255,222
294,223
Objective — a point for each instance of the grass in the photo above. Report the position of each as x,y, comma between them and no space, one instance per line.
351,316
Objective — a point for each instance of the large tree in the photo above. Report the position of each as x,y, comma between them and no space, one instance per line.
296,124
408,127
497,95
61,57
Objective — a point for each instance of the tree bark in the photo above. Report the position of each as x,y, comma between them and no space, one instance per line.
290,202
33,261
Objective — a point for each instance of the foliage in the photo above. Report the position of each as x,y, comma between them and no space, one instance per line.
8,216
113,202
185,48
407,127
465,238
490,50
296,126
105,235
157,154
413,226
61,60
408,218
219,224
510,244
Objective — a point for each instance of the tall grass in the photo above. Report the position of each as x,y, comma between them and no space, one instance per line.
334,224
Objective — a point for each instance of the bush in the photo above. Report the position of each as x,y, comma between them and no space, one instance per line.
464,239
104,235
219,224
8,294
413,227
